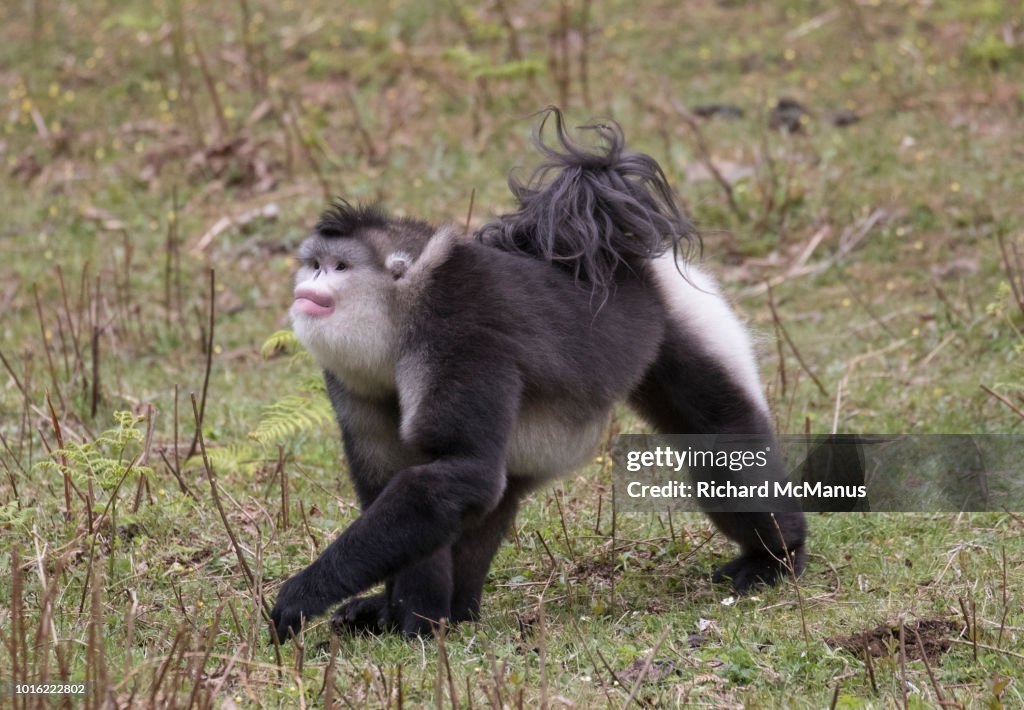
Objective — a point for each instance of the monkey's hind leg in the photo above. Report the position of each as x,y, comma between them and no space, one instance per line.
362,615
688,392
421,594
473,552
766,557
418,597
413,602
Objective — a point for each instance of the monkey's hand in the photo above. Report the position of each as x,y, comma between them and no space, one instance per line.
300,599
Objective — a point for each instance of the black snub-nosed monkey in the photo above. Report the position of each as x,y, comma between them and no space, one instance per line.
464,373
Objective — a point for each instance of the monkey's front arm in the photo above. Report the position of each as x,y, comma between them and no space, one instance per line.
424,508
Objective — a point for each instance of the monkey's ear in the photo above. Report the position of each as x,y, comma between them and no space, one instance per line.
397,264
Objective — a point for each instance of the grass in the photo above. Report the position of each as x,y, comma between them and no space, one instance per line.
145,144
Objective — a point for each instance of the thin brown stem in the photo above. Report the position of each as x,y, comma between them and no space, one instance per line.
792,345
209,365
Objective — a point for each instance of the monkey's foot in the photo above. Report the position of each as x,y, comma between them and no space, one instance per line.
362,615
760,567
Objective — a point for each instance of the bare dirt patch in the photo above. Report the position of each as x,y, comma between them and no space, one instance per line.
936,637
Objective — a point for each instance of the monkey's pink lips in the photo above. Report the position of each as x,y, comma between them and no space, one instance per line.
313,303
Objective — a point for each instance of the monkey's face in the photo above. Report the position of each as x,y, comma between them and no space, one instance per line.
342,311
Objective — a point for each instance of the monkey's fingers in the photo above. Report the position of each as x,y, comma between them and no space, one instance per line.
287,622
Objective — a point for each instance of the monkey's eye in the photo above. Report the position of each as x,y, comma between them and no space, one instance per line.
316,264
341,266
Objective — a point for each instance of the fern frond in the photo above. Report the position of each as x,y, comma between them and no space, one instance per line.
236,457
302,357
290,416
283,342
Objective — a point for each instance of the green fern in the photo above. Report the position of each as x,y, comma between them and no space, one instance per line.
283,342
291,415
102,461
236,457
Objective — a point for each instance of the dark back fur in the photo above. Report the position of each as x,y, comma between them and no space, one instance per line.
603,208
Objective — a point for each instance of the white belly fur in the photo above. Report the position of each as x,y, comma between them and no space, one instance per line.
545,443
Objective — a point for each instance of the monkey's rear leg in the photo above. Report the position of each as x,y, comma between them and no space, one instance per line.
421,592
687,391
413,601
470,561
362,615
765,556
475,549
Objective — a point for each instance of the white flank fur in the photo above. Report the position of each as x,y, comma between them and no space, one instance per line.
696,303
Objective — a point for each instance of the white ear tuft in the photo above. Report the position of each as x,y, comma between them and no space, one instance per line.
397,264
